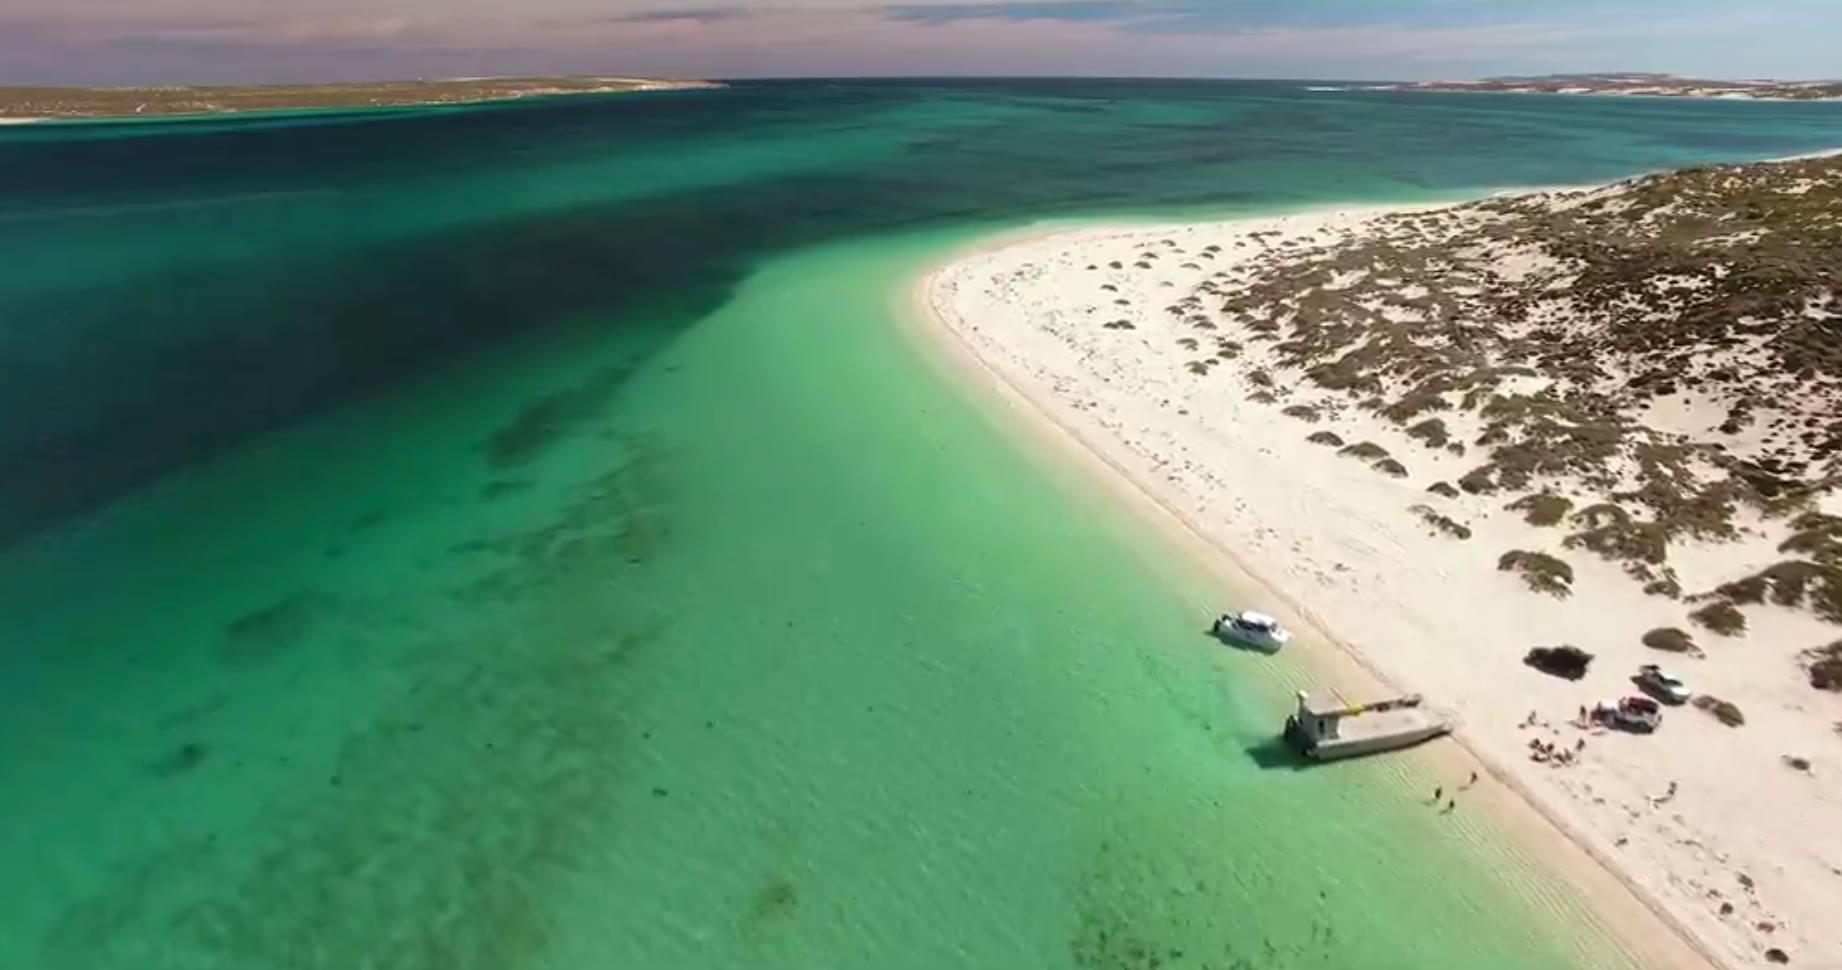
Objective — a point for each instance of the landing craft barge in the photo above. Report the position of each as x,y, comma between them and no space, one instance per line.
1325,732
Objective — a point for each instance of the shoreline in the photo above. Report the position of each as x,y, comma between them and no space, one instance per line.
1651,95
1635,914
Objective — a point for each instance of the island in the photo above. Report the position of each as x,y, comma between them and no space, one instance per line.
23,103
1652,85
1602,423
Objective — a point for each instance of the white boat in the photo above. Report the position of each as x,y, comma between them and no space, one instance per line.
1256,631
1327,730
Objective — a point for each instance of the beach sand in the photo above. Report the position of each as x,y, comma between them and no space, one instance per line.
1699,842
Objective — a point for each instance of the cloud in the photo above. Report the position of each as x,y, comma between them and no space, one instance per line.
1430,17
1075,11
699,15
101,41
1212,16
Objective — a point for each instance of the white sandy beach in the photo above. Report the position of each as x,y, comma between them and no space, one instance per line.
1708,824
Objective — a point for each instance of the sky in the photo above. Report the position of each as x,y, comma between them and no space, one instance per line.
250,41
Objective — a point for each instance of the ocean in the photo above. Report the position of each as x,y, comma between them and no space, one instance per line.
534,536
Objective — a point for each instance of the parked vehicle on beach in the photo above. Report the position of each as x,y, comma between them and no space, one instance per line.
1256,631
1653,681
1640,715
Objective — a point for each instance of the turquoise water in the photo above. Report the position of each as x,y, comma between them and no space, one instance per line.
530,537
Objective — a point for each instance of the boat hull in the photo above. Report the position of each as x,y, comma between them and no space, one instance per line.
1336,749
1248,641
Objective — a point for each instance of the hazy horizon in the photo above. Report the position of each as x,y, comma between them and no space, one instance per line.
1276,78
98,42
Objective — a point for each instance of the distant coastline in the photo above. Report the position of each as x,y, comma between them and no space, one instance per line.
26,105
1637,85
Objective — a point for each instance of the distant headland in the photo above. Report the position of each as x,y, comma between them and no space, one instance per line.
20,103
1653,85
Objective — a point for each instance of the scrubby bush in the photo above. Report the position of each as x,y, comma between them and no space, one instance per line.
1366,450
1721,617
1671,640
1644,542
1542,508
1825,667
1478,481
1819,538
1726,712
1543,573
1793,583
1443,523
1329,438
1601,515
1665,585
1432,432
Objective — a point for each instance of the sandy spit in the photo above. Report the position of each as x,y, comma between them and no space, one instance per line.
1697,845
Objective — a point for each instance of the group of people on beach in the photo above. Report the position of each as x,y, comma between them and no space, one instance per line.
1549,753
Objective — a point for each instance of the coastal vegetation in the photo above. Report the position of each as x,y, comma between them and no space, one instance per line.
1725,712
1824,665
1645,363
1366,450
1793,583
1721,617
1646,84
1543,573
1442,523
1671,640
1542,508
1432,432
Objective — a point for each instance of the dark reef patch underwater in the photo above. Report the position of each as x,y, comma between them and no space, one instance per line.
525,536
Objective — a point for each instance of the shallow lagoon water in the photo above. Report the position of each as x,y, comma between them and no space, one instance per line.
527,537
